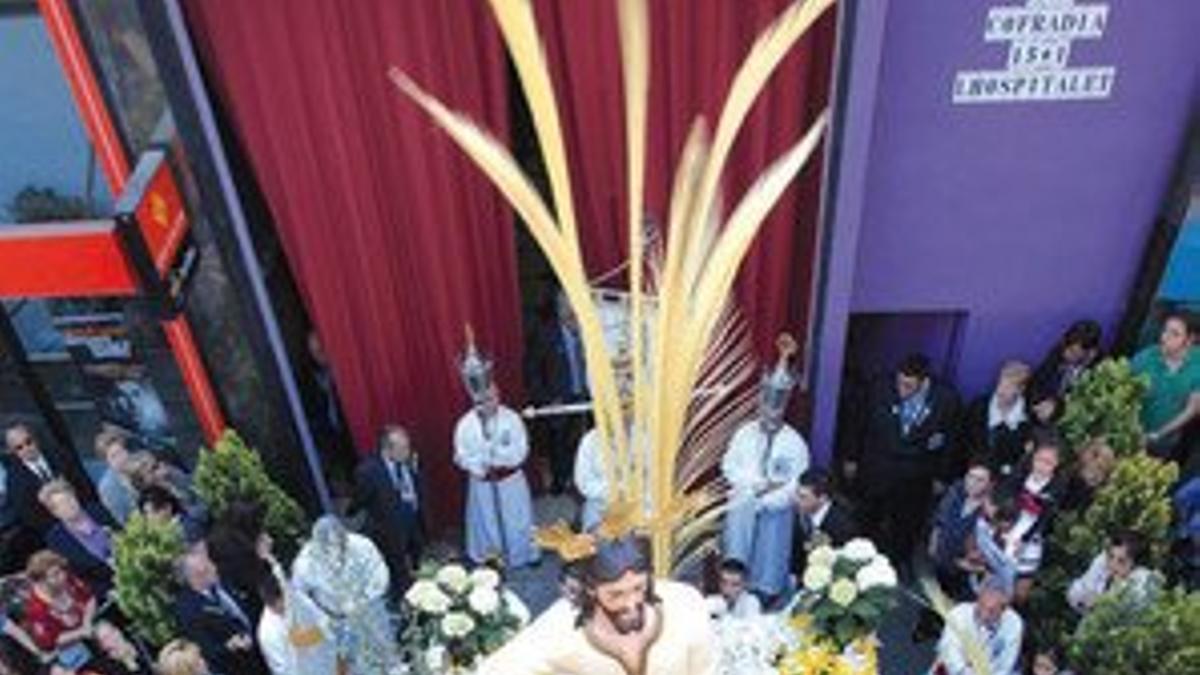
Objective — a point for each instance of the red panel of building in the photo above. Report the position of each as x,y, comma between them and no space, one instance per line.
73,259
160,213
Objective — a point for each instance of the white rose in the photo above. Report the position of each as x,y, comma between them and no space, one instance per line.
843,592
419,591
454,577
876,574
457,624
483,600
485,577
436,602
435,658
817,577
823,556
859,550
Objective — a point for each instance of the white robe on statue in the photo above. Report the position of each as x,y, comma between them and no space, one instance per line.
759,522
554,645
499,518
592,481
349,589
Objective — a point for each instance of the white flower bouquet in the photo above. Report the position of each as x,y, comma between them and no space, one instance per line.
455,617
753,645
847,591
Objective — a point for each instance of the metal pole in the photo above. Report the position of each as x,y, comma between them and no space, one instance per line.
245,248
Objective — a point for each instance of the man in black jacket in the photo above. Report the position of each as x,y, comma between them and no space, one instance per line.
820,518
208,615
29,469
388,488
908,443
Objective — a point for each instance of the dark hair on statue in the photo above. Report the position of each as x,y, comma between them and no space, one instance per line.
612,560
570,570
734,566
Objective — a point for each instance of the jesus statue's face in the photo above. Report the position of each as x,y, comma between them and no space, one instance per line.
623,601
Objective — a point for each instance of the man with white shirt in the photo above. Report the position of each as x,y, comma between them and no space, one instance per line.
491,444
734,600
765,458
986,629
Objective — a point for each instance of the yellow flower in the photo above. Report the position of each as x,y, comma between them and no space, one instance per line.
801,623
843,592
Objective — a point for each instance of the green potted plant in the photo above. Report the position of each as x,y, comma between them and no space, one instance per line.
1105,405
144,556
1136,498
1117,638
234,472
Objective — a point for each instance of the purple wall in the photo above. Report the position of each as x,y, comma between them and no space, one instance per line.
1025,215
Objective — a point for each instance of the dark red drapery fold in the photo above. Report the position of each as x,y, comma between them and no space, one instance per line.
395,239
696,48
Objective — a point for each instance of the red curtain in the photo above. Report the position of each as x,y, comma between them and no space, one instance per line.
395,239
697,46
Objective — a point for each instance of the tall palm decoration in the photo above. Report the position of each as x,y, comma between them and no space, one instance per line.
692,338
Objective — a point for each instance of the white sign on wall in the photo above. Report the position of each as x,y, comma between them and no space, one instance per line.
1040,35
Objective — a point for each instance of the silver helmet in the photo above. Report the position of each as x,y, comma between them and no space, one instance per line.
476,369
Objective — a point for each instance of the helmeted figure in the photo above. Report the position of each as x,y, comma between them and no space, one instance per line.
762,464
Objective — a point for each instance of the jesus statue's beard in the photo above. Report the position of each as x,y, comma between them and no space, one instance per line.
626,621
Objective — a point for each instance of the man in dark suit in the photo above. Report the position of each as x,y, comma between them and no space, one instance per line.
909,436
560,376
208,615
388,488
29,469
820,519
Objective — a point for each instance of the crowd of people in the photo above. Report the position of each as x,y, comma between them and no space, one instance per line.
969,491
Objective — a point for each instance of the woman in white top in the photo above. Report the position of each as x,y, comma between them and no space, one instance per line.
1116,569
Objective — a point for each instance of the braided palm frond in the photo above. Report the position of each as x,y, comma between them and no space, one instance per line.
693,341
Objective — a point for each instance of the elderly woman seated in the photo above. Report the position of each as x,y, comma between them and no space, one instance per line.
81,535
58,624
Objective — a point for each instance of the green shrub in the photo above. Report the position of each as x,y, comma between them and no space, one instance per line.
1137,498
1106,403
145,553
235,472
1120,638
